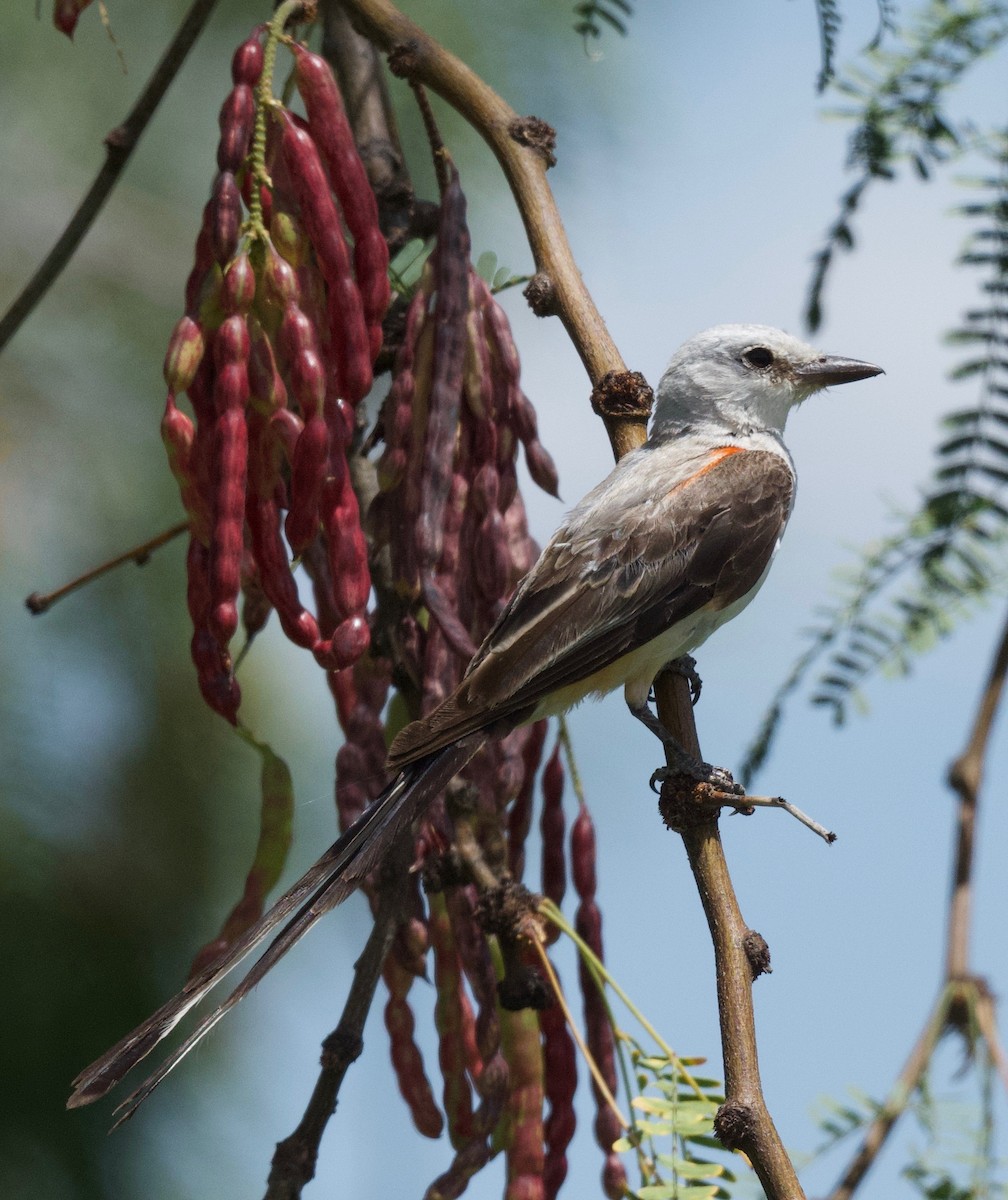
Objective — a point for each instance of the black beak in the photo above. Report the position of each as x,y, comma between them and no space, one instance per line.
830,369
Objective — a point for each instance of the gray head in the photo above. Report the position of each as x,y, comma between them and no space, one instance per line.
745,377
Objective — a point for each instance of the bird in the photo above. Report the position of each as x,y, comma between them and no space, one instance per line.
673,543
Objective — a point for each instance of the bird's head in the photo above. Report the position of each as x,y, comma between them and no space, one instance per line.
746,377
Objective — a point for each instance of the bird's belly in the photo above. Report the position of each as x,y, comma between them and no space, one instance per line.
636,670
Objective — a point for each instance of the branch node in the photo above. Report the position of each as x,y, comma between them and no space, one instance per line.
537,135
757,952
623,396
734,1124
404,58
540,292
341,1048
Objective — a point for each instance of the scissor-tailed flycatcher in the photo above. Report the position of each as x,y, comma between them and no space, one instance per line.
676,541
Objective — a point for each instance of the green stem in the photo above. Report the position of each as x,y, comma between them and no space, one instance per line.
550,911
254,226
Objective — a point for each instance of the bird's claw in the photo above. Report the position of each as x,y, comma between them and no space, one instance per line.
717,778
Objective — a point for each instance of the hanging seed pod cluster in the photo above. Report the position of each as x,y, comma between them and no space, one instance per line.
284,307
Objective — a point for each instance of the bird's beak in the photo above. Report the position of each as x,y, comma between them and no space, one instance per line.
829,369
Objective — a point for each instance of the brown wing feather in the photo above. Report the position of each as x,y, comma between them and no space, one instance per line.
589,601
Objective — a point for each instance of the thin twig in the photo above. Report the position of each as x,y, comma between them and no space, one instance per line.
40,602
906,1084
119,145
590,1062
827,835
295,1157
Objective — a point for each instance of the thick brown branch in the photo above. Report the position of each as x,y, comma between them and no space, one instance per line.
119,145
417,56
743,1122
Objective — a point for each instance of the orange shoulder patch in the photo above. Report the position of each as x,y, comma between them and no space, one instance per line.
716,455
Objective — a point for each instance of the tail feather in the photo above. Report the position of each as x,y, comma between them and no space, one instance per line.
337,874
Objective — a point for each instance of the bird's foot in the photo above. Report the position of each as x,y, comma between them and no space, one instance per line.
691,772
684,665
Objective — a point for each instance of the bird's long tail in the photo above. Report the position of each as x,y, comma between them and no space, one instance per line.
337,874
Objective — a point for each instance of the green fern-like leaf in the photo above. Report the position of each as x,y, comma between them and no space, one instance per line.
897,106
591,15
910,589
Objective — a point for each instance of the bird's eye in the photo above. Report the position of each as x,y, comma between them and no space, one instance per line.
758,357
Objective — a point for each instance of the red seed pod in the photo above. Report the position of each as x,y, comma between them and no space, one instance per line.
484,489
203,261
552,825
66,14
371,267
492,574
350,641
225,217
178,435
308,383
523,1130
213,665
308,470
227,541
247,62
237,116
560,1073
348,562
451,305
325,232
311,189
274,573
239,286
350,341
217,683
184,355
279,287
297,333
328,125
520,814
450,1017
407,1060
288,428
231,348
542,468
267,392
583,854
344,691
256,608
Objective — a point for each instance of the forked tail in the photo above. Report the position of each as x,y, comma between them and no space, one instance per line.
337,874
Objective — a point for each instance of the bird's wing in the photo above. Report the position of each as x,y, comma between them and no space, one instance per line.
597,593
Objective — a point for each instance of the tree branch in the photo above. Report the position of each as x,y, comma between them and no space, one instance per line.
296,1156
740,955
523,147
119,145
